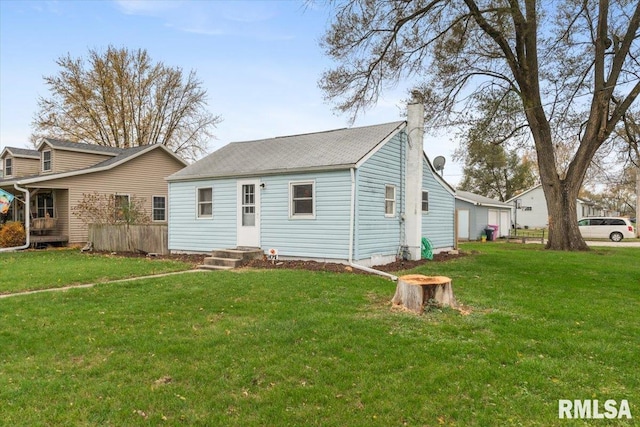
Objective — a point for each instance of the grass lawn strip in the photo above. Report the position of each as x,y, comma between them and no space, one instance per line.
35,270
89,285
289,347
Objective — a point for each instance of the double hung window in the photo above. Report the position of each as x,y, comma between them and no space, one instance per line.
389,200
302,203
46,161
205,202
159,208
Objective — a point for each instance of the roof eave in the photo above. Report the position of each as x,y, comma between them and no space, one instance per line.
379,145
9,183
21,156
96,169
44,141
535,187
267,172
489,205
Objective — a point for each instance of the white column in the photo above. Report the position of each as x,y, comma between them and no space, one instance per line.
413,182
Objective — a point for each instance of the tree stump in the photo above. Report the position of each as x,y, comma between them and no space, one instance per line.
413,291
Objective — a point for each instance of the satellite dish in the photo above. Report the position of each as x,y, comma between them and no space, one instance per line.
438,163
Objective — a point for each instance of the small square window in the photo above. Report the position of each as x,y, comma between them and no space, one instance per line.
389,200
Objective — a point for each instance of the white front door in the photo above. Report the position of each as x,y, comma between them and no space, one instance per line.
248,213
505,224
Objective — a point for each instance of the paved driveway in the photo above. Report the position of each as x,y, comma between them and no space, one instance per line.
627,244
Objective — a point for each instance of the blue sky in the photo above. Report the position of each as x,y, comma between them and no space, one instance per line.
259,61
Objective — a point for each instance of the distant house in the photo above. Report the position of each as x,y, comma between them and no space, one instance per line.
587,208
533,212
364,195
59,173
475,213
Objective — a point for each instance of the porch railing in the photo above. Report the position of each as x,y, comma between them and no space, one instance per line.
43,224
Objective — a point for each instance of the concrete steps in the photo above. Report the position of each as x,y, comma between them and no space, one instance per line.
228,259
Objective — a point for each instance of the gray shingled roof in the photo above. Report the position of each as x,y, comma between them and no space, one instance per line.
23,152
58,143
340,148
125,154
482,200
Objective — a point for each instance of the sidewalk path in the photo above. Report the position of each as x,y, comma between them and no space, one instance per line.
89,285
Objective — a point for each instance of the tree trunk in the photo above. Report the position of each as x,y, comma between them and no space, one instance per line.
414,291
564,233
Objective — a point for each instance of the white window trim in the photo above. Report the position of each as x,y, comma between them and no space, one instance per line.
203,217
395,203
10,160
153,209
50,160
313,200
422,200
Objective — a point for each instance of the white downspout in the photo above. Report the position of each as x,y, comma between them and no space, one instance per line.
352,222
352,213
27,221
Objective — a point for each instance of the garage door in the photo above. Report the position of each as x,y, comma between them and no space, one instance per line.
494,217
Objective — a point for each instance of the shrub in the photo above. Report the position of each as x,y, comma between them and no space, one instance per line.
95,208
12,234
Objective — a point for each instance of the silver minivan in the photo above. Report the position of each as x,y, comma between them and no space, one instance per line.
614,228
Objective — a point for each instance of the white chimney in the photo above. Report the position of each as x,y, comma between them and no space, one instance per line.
413,181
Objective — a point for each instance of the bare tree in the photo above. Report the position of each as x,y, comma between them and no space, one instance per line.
496,162
573,64
120,98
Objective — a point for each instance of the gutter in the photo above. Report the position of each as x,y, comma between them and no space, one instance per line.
27,216
266,172
352,215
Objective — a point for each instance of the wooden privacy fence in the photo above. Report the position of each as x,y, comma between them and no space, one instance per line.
151,238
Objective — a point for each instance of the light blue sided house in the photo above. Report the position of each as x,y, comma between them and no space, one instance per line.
361,196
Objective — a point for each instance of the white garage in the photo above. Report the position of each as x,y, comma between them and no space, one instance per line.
474,213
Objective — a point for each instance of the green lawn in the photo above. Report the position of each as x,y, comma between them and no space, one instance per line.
272,348
32,270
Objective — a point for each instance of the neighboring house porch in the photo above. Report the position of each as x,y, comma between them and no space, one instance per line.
60,173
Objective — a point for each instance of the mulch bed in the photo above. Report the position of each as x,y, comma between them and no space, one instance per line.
264,263
342,268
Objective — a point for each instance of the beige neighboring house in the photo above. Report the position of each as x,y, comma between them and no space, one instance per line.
59,173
